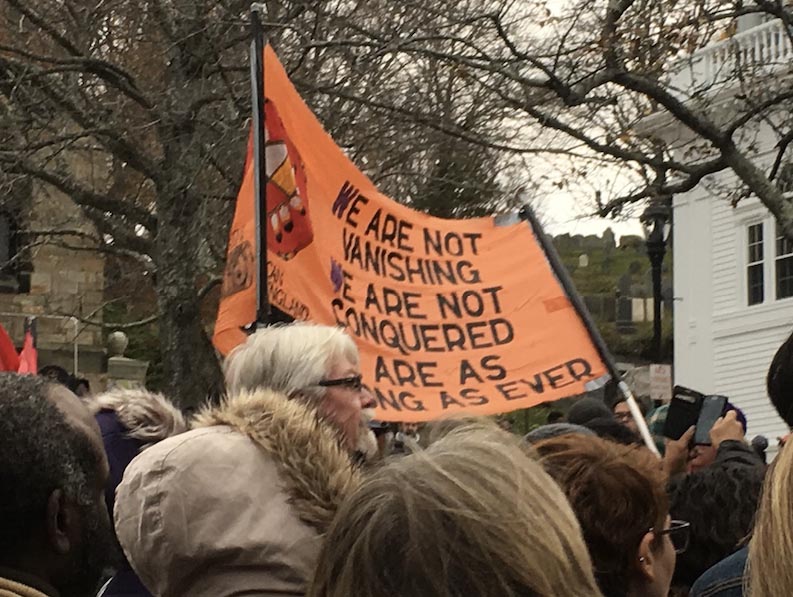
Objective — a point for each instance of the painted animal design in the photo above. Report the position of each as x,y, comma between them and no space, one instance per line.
287,198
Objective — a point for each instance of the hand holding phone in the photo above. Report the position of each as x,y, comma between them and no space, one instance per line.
683,412
676,453
711,411
727,428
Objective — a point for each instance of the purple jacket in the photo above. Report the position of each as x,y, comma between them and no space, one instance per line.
121,450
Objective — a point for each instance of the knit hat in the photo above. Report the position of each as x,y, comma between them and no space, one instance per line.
586,410
555,430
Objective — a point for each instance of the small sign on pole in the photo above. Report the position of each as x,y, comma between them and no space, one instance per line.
661,382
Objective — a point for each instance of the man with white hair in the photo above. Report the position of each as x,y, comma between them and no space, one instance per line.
238,505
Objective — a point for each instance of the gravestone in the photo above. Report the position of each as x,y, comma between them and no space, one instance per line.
609,242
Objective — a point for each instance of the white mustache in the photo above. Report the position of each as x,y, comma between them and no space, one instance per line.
367,416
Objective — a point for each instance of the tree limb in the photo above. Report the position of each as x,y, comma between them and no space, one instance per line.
782,146
110,73
116,326
201,294
80,195
698,123
756,110
681,186
114,142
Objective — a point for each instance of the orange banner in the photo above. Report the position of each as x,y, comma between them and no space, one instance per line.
450,316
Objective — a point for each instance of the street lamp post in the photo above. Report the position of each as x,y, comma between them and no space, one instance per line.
655,221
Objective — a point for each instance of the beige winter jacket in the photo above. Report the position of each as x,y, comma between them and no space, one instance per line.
237,506
10,588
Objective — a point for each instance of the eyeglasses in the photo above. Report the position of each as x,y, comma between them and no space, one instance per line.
679,533
354,383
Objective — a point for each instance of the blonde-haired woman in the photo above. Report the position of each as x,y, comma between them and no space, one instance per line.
769,573
473,514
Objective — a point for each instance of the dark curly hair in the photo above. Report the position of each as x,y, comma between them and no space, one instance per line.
612,430
720,503
57,374
39,453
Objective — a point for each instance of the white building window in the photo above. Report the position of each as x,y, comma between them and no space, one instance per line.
755,280
784,265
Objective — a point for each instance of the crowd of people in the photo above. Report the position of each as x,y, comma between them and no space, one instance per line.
289,487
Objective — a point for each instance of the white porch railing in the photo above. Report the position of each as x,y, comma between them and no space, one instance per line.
766,46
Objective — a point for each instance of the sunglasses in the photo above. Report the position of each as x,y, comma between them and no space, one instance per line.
354,383
679,533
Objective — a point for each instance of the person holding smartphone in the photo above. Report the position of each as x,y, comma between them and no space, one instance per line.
727,445
726,436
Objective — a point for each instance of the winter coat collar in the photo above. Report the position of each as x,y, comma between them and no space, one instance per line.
317,471
12,588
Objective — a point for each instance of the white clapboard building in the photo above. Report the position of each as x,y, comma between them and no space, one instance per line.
733,273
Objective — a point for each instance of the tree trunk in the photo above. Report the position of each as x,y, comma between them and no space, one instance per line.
191,367
192,371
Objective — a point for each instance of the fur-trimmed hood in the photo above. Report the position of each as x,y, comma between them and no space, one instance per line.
316,470
147,417
237,505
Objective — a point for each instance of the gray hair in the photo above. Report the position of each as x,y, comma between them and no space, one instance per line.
552,430
149,417
291,359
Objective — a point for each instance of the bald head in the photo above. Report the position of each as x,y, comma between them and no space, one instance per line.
76,414
79,417
74,411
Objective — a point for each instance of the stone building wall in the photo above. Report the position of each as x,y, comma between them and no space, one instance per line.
64,283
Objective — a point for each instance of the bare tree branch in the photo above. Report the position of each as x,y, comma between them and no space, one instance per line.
109,73
90,321
81,195
112,141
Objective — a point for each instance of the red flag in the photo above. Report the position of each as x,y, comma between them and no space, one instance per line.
28,358
9,360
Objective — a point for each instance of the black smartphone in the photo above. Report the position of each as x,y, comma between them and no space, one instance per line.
683,411
712,409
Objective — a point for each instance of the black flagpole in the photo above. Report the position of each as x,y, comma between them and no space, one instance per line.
527,213
31,326
259,164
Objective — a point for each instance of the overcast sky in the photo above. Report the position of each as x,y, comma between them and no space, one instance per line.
562,216
569,210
